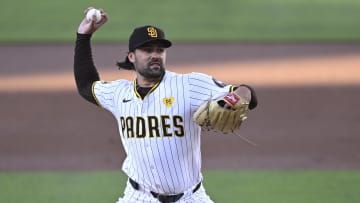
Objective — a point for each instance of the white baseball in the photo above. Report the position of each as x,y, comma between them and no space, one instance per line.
91,13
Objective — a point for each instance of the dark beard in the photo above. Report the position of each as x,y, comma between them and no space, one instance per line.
152,73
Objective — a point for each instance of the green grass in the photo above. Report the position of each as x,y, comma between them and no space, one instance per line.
222,186
60,187
285,186
186,20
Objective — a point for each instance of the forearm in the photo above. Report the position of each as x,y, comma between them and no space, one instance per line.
84,69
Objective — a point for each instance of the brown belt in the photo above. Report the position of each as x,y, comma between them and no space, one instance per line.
163,198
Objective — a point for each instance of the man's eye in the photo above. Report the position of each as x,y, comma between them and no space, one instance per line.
160,50
151,50
147,50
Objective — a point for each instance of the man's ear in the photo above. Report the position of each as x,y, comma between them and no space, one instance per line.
131,57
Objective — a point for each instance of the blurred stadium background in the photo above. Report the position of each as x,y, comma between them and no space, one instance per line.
302,56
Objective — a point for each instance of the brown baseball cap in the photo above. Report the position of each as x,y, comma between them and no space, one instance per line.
141,36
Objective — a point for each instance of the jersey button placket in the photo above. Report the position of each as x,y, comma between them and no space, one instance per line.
143,105
139,107
151,162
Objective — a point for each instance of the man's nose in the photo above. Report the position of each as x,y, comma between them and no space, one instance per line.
155,54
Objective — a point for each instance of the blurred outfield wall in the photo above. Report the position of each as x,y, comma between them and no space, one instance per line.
186,20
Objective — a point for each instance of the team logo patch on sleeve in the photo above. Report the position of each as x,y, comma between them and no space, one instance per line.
168,101
219,83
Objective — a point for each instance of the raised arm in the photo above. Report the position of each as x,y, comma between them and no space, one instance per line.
84,69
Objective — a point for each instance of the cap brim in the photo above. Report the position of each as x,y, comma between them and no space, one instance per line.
163,42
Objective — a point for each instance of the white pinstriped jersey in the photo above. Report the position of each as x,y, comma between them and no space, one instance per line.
160,138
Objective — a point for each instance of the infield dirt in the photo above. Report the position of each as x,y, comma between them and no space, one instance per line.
308,115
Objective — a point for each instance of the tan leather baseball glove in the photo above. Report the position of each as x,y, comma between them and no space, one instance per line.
216,115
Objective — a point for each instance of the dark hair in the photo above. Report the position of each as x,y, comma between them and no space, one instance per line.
126,64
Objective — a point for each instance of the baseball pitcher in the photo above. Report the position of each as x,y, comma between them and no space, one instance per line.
160,114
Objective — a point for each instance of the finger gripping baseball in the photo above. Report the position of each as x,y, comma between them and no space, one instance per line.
213,114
